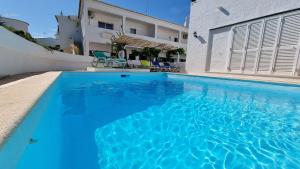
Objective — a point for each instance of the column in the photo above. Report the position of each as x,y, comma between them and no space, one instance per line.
180,36
156,31
124,24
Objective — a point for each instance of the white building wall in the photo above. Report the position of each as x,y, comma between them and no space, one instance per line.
20,56
209,14
167,34
100,47
91,32
141,28
107,18
69,30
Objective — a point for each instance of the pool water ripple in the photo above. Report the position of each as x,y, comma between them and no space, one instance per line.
160,121
196,131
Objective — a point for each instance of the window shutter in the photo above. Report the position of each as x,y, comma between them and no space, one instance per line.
238,47
268,44
289,40
252,46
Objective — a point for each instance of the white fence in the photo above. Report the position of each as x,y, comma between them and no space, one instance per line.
18,55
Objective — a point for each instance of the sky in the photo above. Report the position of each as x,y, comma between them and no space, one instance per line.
40,13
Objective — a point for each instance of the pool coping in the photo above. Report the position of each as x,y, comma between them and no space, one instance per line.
283,81
18,98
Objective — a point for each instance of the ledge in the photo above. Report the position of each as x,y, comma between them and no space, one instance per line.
18,97
266,79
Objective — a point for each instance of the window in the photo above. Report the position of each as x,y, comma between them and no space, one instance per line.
175,39
109,26
105,25
133,30
184,36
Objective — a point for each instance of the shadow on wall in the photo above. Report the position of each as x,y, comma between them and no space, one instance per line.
224,11
201,39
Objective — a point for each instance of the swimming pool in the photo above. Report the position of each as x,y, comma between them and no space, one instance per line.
158,120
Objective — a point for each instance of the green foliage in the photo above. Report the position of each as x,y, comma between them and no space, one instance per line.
21,33
151,52
27,36
179,51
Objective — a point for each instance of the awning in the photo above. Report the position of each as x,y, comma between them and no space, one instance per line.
142,43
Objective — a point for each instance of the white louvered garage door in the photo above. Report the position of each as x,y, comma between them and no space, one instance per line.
266,46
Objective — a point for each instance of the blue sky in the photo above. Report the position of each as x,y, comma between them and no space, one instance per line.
40,13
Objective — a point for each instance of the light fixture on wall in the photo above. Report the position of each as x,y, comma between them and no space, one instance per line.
195,34
200,38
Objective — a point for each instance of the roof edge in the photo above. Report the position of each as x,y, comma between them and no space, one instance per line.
115,6
15,20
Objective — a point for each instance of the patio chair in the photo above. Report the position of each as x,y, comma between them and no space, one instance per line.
134,63
100,57
121,62
170,67
157,67
145,63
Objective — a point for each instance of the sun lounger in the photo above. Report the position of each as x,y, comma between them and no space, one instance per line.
170,68
157,67
100,57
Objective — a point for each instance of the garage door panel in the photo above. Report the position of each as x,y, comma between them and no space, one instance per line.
250,60
236,60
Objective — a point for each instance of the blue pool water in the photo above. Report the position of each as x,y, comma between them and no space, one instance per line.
164,121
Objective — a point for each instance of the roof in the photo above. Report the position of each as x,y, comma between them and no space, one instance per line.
15,20
80,3
141,43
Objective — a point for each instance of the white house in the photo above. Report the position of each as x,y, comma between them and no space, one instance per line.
248,37
98,21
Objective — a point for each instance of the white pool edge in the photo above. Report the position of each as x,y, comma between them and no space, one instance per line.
18,98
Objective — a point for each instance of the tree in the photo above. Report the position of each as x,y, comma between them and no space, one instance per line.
179,51
151,52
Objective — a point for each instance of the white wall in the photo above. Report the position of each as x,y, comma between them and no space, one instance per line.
18,55
165,34
69,30
144,29
107,18
100,47
205,16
